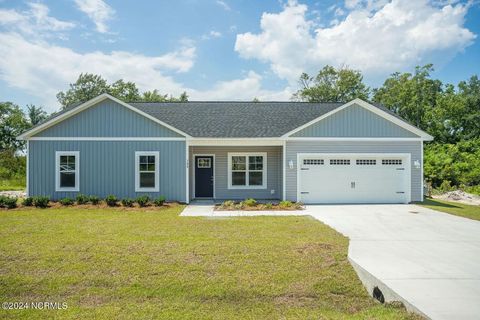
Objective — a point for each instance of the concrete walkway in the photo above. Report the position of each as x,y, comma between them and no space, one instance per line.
427,259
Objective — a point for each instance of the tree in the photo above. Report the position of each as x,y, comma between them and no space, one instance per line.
86,87
126,91
412,96
332,85
12,124
89,86
35,114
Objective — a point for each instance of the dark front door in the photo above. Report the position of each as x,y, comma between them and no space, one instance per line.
204,176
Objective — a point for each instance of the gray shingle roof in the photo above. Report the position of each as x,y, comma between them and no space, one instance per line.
236,119
233,119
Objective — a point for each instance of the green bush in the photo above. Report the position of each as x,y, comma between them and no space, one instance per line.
268,205
143,201
82,199
94,200
66,201
250,202
111,200
159,201
127,202
8,202
27,202
285,204
41,201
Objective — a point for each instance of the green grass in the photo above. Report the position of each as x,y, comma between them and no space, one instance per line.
14,184
133,264
455,208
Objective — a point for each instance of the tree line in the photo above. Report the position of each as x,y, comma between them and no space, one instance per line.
450,113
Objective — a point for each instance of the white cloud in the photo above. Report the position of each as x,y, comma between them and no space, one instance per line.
212,34
374,37
33,22
224,5
98,11
247,89
43,69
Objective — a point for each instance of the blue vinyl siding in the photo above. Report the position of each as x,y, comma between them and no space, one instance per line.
354,121
108,119
274,172
108,167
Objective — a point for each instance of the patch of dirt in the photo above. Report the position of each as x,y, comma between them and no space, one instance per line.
459,196
310,248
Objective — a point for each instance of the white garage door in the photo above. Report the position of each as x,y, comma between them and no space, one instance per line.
358,178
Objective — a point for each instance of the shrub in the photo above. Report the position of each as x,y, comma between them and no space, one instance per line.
28,202
94,200
82,199
143,201
127,202
285,204
446,186
66,201
9,203
159,201
2,200
111,200
41,201
268,205
250,202
239,206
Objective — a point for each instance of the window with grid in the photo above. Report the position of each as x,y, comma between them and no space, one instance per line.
314,162
392,162
146,178
247,170
366,162
204,163
67,171
340,162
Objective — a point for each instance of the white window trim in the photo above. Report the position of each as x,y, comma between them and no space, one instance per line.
156,154
76,154
248,154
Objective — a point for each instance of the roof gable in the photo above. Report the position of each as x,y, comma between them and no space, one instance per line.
380,111
107,118
71,111
355,121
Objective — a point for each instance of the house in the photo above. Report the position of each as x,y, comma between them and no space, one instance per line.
311,152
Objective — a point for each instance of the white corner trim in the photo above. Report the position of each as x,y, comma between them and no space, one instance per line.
76,154
187,173
87,105
106,139
372,108
421,172
284,170
28,168
156,154
247,154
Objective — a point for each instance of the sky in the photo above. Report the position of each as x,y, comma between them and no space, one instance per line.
227,49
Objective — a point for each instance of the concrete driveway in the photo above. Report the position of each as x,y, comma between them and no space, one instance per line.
427,259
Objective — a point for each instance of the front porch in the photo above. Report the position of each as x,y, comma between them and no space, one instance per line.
235,172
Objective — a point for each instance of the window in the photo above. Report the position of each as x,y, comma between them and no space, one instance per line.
146,171
247,170
204,163
314,162
392,162
67,171
339,162
366,162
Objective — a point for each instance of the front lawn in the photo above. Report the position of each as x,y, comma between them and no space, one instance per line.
455,208
133,264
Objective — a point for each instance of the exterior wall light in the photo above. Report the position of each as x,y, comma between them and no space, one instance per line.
290,164
416,164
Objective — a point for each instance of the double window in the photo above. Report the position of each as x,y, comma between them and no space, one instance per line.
247,170
146,171
67,168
